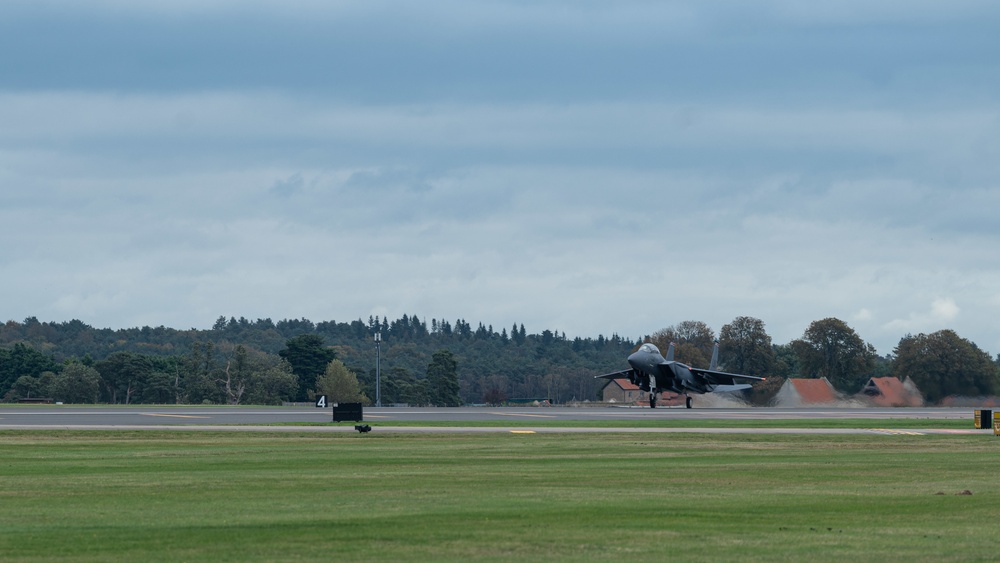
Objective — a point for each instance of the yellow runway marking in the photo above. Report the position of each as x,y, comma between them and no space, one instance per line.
528,415
897,432
522,431
173,415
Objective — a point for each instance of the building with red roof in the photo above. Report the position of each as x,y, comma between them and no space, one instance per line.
623,391
799,392
891,392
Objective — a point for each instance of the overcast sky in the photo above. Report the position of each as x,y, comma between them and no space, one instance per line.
580,166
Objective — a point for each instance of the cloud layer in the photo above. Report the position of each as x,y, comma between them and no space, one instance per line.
584,168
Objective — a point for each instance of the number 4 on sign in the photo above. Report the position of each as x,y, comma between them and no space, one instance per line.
321,402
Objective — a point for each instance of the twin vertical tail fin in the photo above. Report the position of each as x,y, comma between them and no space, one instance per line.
714,365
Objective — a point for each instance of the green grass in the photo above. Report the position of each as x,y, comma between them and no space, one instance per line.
230,496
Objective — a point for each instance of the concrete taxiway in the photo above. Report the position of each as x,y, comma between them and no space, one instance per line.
261,419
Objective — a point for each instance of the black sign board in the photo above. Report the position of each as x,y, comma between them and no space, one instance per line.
347,411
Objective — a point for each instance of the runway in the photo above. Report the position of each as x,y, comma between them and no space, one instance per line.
271,419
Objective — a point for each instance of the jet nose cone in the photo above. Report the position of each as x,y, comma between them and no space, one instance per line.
633,360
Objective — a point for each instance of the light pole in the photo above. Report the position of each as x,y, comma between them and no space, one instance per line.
378,369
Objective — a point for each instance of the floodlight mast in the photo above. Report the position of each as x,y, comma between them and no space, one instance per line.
378,369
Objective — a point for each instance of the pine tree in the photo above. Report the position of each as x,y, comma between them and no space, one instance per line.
442,380
309,357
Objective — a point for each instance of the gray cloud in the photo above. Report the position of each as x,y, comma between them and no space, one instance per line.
289,186
551,163
496,51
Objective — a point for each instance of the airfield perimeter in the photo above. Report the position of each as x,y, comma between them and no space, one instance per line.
309,419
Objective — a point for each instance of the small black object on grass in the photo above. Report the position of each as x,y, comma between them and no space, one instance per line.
363,428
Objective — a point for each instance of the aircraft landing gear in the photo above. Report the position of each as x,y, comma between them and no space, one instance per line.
652,400
687,401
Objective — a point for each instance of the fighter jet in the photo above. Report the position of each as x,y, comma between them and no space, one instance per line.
655,374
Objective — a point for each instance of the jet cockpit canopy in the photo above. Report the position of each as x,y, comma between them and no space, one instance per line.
649,348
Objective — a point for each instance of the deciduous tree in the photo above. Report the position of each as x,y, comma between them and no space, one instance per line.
76,383
122,374
693,341
198,384
274,382
236,375
25,387
340,384
943,364
786,363
745,347
831,349
22,360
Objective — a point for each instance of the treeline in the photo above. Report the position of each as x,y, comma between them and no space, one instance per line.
941,364
239,361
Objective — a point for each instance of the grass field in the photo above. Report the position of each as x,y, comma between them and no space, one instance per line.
182,496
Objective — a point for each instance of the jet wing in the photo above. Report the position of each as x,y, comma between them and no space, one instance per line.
723,378
624,374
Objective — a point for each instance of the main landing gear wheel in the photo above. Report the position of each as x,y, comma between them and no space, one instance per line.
688,402
652,400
